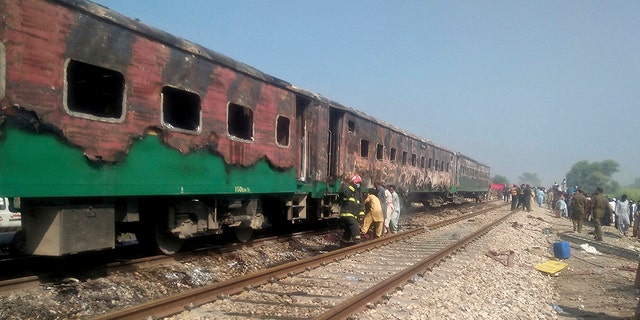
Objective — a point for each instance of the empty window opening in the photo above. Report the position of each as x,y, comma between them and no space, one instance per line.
404,158
180,109
430,163
364,148
379,152
392,155
240,122
413,159
437,167
94,90
351,126
282,131
422,161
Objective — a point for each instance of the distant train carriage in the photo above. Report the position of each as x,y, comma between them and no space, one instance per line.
472,179
110,126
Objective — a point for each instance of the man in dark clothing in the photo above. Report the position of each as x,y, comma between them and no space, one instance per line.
514,196
351,208
599,205
526,198
577,210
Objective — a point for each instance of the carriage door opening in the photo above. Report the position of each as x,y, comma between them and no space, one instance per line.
301,127
335,123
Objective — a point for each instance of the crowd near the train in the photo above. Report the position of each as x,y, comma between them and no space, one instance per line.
368,213
579,206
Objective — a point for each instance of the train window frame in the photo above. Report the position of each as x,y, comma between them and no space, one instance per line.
351,126
179,108
364,148
81,79
380,152
240,127
393,154
283,133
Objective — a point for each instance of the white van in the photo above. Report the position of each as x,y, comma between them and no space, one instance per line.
11,238
10,219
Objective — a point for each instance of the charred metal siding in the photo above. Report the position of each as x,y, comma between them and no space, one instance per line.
408,175
43,37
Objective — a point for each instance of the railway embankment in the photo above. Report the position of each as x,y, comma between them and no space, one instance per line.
494,277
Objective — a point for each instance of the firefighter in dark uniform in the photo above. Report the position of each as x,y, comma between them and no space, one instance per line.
351,209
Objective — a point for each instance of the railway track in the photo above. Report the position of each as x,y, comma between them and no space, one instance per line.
20,273
42,278
333,285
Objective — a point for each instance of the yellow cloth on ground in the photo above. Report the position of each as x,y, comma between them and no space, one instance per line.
551,266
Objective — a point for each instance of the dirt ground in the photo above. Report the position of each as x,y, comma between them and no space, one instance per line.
596,284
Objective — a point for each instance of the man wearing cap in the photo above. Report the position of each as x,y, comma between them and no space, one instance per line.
351,208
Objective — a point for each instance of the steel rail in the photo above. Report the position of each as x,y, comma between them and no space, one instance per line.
195,297
35,280
375,293
192,298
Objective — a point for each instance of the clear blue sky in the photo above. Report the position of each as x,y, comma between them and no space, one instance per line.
523,86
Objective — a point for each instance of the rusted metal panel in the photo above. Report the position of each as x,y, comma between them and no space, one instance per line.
40,38
412,174
317,124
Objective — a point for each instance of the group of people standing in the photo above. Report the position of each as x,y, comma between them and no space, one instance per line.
603,211
579,206
521,196
376,209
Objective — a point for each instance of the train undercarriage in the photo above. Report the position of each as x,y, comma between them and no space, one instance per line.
160,224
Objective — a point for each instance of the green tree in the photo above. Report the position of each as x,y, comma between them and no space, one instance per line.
530,179
636,184
632,193
589,176
500,179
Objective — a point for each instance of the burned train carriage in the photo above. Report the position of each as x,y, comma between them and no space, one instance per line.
109,126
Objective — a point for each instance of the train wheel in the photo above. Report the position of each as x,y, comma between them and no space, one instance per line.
167,243
18,244
243,234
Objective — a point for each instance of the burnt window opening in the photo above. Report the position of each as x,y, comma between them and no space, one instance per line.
351,126
379,152
94,90
404,158
180,109
282,131
413,159
392,155
422,162
364,148
240,122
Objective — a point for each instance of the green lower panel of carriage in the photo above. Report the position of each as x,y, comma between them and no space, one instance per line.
40,165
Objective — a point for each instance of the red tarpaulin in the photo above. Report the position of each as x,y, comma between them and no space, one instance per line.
496,186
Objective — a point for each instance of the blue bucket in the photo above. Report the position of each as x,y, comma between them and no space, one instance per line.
561,250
